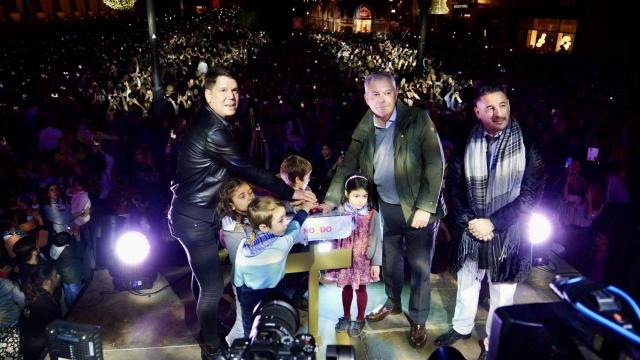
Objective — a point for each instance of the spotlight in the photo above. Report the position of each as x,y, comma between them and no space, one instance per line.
539,229
132,247
130,257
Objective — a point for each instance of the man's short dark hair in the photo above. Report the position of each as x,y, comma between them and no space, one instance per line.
488,88
377,75
213,75
62,238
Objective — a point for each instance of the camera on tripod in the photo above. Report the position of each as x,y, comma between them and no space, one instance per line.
592,322
273,335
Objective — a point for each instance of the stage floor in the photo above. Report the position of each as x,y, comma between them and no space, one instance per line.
163,325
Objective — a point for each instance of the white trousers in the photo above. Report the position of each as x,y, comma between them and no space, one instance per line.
237,331
469,280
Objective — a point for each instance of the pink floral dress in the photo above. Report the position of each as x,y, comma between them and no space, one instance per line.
360,271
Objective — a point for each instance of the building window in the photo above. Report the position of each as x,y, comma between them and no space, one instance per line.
362,20
551,35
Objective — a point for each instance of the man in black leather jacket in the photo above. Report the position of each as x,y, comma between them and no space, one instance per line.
208,157
493,186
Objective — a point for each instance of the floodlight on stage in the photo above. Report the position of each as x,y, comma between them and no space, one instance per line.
131,261
539,229
132,247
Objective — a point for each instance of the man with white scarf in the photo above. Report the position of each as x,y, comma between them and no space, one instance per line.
493,187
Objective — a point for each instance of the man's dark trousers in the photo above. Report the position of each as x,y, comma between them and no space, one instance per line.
399,239
200,241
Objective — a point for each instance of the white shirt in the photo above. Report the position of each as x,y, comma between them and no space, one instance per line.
389,122
202,68
79,202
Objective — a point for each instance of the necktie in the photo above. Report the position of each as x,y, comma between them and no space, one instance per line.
483,250
490,141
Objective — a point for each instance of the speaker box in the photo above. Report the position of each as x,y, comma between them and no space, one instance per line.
67,340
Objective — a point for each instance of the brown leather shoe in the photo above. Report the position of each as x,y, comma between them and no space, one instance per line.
382,313
418,336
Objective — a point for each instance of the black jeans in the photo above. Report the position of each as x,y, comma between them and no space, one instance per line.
86,238
400,239
249,298
200,241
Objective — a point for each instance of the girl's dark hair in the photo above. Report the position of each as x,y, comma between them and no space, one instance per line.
23,248
47,200
356,182
224,199
33,288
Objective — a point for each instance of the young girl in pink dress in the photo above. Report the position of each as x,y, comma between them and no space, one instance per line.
366,242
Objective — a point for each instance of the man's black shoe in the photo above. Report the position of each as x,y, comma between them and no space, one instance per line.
449,338
381,313
208,353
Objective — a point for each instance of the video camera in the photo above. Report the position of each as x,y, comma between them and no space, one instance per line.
593,322
275,322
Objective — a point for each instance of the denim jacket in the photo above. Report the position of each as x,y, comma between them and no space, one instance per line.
11,301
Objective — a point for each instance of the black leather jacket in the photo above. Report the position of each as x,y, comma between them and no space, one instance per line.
209,156
515,268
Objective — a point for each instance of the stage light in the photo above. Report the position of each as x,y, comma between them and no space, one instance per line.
131,257
539,229
324,247
132,247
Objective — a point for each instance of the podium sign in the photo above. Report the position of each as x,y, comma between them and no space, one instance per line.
327,227
317,228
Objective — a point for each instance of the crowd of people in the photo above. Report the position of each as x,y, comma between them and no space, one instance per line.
81,140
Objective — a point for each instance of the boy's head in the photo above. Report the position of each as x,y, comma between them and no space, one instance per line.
296,172
267,215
